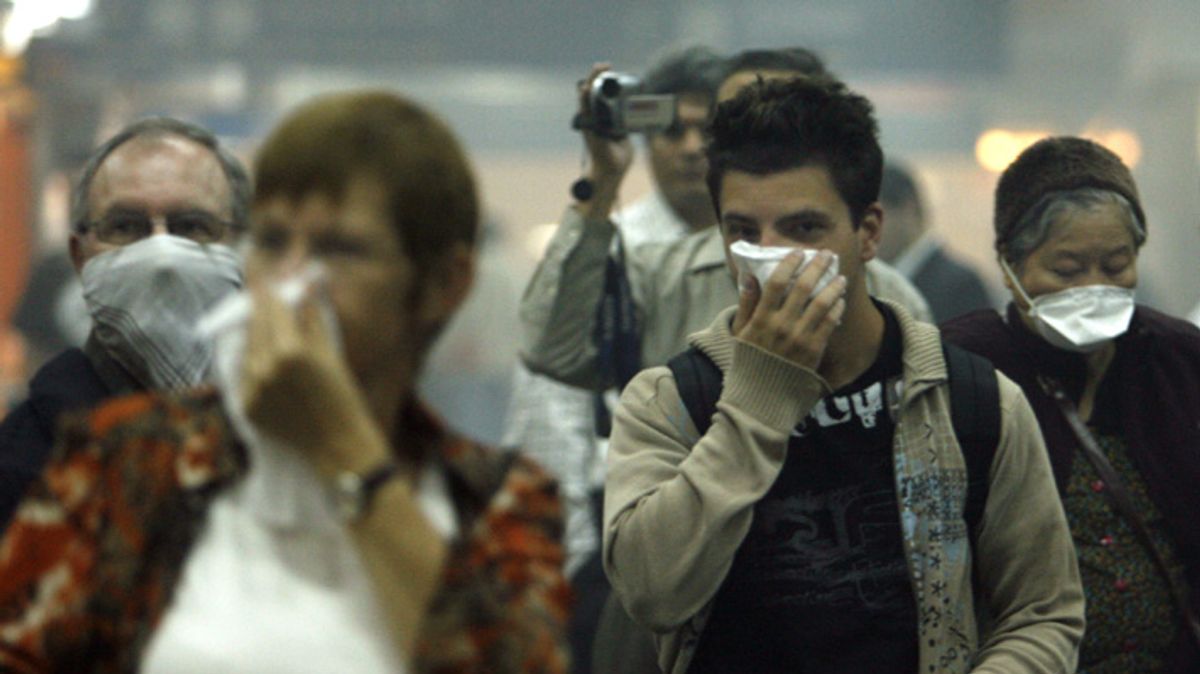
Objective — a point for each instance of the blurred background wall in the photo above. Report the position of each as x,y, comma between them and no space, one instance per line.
960,88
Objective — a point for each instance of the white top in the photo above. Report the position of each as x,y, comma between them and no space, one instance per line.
257,597
649,220
1195,316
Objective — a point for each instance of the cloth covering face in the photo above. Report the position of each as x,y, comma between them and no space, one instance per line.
761,261
146,298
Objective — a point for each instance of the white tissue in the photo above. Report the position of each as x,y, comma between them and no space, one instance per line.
761,261
234,310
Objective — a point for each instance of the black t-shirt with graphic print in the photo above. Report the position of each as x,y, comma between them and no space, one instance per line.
820,585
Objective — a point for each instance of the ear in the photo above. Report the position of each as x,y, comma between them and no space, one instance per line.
448,285
870,230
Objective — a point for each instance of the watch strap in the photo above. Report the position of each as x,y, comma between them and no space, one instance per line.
358,490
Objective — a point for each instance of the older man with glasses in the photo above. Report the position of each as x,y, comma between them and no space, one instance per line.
154,216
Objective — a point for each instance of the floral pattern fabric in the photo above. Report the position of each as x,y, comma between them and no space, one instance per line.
1131,620
97,547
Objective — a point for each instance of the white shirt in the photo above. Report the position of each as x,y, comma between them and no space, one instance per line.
650,220
263,592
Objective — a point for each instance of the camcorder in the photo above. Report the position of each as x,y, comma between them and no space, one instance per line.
617,107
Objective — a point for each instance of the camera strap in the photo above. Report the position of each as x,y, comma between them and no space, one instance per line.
618,347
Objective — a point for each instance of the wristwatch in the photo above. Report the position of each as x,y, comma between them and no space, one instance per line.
353,493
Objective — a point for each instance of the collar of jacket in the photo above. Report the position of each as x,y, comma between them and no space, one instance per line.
710,250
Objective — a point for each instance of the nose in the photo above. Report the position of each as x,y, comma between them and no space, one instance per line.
1094,277
693,140
158,225
293,259
770,237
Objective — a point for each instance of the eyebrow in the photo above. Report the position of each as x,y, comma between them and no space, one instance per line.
1108,252
125,207
805,215
802,214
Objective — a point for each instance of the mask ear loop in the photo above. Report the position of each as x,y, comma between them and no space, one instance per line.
1016,283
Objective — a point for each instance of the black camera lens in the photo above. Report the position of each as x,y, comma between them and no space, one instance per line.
610,87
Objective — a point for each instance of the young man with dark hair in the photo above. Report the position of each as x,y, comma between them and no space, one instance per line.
818,524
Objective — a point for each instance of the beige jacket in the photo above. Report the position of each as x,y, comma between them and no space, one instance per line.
678,288
677,507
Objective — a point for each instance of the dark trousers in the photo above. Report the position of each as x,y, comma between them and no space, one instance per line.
602,636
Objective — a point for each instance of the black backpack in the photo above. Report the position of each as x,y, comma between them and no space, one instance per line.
974,411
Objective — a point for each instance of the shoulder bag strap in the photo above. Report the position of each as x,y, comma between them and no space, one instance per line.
1119,496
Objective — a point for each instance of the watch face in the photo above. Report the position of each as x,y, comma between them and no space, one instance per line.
349,498
352,493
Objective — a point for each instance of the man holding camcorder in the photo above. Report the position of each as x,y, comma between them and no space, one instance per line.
557,423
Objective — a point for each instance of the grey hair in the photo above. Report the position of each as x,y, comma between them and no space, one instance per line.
1032,230
158,127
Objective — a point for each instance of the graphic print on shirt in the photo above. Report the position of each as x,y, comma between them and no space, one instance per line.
827,534
822,567
864,406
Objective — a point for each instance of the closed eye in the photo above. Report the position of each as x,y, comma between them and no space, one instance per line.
1117,264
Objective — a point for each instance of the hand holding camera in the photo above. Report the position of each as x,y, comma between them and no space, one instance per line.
610,108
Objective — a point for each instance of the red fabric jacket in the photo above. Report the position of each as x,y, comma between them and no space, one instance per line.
97,547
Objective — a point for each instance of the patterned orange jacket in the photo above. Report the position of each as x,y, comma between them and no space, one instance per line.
97,547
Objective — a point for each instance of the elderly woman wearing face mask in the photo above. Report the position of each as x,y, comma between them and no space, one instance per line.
1116,389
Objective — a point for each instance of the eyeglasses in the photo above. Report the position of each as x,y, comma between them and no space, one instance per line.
125,227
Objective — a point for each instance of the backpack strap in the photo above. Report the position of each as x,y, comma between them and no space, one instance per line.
699,381
975,414
974,411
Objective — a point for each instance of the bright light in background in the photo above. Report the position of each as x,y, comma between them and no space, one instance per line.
29,16
997,148
1124,143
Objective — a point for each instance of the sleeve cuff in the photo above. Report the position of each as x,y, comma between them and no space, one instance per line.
776,391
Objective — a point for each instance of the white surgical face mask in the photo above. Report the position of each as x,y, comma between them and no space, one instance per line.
761,261
1079,319
145,300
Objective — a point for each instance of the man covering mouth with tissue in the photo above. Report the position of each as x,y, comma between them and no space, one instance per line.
793,492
